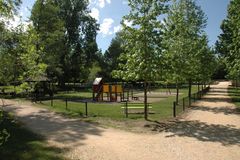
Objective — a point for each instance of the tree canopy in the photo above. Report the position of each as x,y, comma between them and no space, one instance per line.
186,45
228,45
142,42
68,36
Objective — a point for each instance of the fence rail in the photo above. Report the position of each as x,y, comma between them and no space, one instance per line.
85,107
186,102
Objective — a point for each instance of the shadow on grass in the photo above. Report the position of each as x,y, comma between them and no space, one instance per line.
235,99
226,135
25,145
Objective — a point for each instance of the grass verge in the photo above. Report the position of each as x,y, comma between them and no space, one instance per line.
234,93
163,109
110,114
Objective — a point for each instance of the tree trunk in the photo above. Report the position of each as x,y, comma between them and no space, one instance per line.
190,88
145,101
177,95
62,83
198,87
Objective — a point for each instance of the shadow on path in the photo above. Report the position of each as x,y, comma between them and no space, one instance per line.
57,128
226,135
23,144
216,110
203,131
215,99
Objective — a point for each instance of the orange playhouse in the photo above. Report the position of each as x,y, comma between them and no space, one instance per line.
107,92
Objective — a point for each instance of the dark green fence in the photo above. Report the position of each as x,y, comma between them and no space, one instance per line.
186,102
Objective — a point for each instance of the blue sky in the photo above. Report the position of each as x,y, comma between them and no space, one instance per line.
109,13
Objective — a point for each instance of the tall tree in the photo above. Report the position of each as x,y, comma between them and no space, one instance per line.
50,30
183,29
207,61
7,9
81,31
31,60
228,44
9,40
142,43
70,42
10,52
111,57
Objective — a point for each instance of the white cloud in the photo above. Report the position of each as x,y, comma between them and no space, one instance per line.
95,13
117,29
100,3
106,26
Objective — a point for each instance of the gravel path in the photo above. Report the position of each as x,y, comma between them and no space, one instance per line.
210,131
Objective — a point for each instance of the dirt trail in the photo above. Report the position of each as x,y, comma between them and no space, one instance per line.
210,131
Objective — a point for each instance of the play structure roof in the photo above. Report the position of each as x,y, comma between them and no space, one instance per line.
97,81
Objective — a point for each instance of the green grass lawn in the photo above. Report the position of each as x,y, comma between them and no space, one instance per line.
7,88
234,93
80,95
162,109
25,145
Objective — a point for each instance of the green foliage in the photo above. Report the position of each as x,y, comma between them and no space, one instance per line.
94,72
228,45
32,63
67,36
207,61
110,60
4,135
7,47
10,51
142,41
9,7
185,42
142,47
50,30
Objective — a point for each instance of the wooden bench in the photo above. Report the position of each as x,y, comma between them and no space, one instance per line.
135,98
136,108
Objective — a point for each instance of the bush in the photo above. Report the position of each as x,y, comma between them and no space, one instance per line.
4,135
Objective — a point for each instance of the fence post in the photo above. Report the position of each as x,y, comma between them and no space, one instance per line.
183,104
51,100
126,109
66,104
190,99
174,109
86,109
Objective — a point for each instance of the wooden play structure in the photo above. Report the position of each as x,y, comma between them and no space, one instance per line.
108,92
